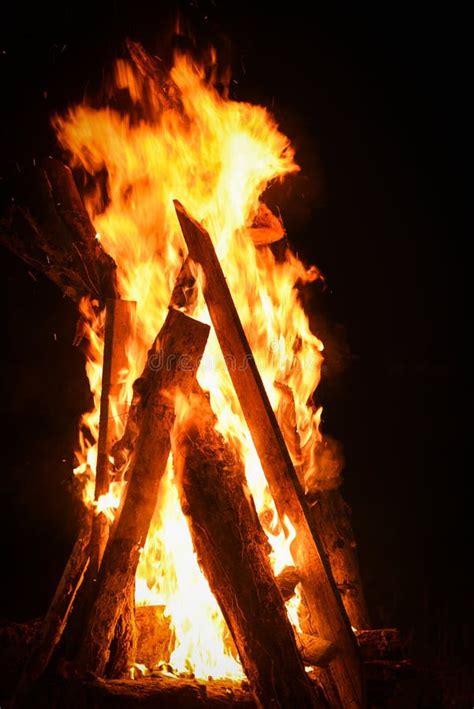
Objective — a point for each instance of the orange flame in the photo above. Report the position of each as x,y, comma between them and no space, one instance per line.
218,156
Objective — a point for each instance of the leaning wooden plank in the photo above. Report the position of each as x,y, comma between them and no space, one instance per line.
45,223
181,344
58,612
327,614
118,329
231,550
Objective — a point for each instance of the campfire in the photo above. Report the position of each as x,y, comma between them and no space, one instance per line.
214,540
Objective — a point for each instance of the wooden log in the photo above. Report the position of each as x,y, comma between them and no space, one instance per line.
183,298
44,222
332,519
153,635
327,616
315,651
181,344
59,610
266,228
331,514
287,580
118,329
232,551
123,648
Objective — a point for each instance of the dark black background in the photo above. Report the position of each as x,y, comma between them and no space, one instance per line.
375,101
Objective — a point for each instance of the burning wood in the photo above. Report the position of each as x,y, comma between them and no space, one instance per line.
327,615
47,226
232,551
181,340
118,330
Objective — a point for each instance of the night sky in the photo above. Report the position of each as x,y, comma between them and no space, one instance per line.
374,102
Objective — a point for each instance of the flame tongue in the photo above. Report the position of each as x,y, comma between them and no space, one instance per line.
218,156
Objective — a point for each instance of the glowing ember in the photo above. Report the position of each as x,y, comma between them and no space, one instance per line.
218,156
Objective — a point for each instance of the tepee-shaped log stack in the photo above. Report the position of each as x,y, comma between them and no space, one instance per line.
210,477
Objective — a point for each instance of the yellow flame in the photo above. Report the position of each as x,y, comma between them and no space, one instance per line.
217,156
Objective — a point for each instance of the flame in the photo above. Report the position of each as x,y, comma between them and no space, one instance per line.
217,156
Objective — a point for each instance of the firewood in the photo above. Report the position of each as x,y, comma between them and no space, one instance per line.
123,648
331,514
266,228
231,550
154,635
327,616
183,298
118,327
59,610
332,518
315,651
287,580
181,344
45,223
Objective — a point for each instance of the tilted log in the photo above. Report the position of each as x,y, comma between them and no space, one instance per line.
232,551
44,222
183,298
287,580
331,514
332,518
315,651
123,648
118,329
326,611
181,344
59,610
119,319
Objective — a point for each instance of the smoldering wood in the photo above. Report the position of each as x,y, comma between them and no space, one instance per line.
232,551
181,344
326,613
331,514
44,222
59,609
